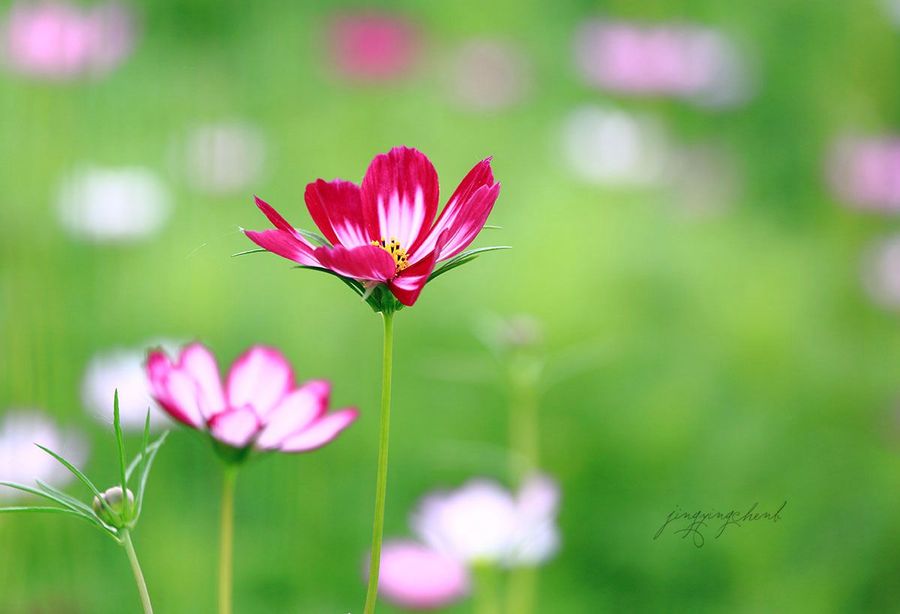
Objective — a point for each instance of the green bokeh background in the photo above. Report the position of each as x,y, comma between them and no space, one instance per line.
705,362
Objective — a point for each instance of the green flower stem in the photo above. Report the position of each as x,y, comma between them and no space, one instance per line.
226,540
485,595
381,479
125,537
520,590
525,450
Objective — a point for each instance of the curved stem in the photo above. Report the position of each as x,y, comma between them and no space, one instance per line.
226,540
136,569
381,479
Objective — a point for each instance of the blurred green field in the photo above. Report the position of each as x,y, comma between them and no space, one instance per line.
719,360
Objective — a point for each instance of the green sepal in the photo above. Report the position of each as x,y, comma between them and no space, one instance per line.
463,258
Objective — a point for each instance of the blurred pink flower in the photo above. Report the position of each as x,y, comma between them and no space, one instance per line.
371,46
865,172
385,231
667,60
23,462
483,522
417,577
258,406
487,75
57,40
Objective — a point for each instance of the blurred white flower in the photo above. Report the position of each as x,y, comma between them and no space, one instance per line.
122,369
487,75
607,146
892,8
113,204
23,462
483,522
881,272
224,157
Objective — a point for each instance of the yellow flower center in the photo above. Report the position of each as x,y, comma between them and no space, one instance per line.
397,253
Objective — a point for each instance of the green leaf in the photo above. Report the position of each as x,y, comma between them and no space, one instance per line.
29,490
351,283
492,227
249,251
51,509
64,498
463,258
137,460
120,442
145,473
83,479
314,237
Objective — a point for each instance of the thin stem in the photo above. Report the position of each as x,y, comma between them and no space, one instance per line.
485,596
226,540
381,479
136,569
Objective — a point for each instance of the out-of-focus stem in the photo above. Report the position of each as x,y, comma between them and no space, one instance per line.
136,569
226,540
485,596
520,590
381,478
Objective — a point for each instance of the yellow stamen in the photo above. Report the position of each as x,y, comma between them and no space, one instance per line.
392,247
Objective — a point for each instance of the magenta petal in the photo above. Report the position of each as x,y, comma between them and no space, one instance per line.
235,427
480,175
259,379
417,577
285,244
320,432
400,196
336,208
409,283
366,262
179,398
158,370
296,411
273,216
199,363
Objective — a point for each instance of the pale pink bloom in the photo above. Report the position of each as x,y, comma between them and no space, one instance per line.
23,462
59,40
121,369
678,60
372,46
482,522
113,205
609,146
223,158
417,577
881,272
259,404
865,172
488,75
386,230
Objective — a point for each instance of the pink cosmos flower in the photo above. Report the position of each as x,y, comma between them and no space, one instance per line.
59,40
865,172
373,46
419,578
384,231
259,404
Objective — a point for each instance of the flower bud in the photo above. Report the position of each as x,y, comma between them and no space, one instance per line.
116,502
